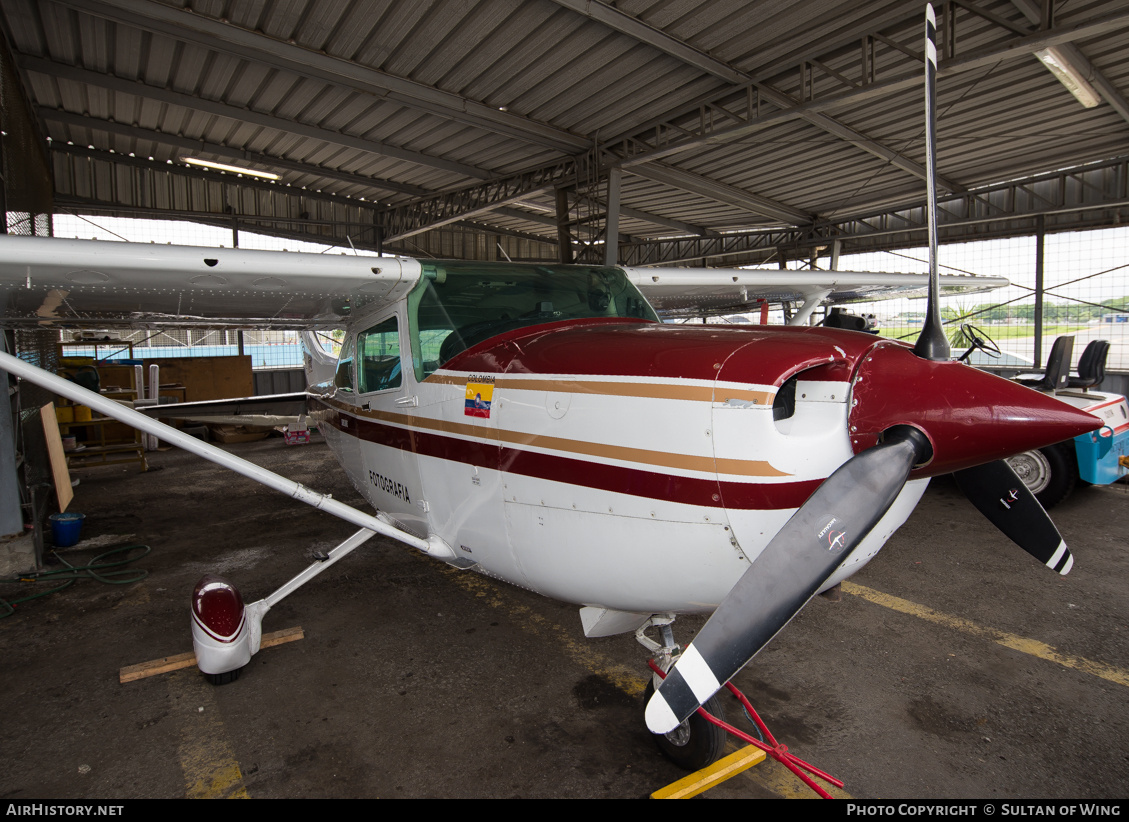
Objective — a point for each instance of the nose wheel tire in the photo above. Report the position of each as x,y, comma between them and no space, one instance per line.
695,743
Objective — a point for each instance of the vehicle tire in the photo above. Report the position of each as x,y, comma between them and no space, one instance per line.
696,743
1049,473
224,678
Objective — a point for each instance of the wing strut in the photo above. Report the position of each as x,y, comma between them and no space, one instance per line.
433,546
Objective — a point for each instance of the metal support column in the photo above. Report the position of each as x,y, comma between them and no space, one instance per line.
1040,239
564,236
3,189
11,520
611,221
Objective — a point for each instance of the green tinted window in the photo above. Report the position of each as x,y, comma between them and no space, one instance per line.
378,357
460,304
343,379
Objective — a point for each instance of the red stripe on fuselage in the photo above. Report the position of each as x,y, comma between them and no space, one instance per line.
584,473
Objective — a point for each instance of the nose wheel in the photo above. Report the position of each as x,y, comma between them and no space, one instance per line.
700,741
695,743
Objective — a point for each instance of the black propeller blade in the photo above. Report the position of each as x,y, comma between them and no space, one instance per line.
1002,497
993,488
793,566
931,343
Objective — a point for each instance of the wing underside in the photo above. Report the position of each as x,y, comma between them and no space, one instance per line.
82,283
682,291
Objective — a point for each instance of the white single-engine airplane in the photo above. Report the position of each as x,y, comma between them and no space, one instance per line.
539,424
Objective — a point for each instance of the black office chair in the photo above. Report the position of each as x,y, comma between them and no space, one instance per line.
1091,367
1057,374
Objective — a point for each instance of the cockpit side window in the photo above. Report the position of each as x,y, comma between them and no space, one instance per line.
378,357
343,378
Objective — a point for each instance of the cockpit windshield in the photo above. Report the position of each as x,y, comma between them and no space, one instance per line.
460,304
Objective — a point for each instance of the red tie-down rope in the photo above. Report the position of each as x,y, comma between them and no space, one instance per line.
773,748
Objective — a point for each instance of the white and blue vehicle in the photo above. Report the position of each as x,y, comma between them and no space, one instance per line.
1099,457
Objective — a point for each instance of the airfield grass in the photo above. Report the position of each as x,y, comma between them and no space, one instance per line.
996,332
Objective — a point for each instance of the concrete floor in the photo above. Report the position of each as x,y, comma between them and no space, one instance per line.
990,677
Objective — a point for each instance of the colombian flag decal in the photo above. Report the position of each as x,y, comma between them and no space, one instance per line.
479,395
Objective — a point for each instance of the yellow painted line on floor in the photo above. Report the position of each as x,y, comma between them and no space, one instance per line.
626,679
1024,645
207,758
770,774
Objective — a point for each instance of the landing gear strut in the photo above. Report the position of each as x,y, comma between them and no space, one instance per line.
697,742
700,740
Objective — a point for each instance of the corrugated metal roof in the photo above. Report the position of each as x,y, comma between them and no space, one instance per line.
777,110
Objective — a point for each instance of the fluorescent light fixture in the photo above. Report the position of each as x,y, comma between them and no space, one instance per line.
266,175
1067,74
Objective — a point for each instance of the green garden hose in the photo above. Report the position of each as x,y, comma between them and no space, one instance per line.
100,568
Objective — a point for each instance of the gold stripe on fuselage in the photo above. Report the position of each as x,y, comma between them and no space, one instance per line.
647,390
659,459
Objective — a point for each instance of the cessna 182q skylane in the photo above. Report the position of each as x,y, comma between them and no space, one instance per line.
539,424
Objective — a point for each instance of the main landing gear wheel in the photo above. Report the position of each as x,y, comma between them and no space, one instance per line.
695,743
224,678
1049,473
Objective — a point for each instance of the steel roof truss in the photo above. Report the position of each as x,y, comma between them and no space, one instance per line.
637,148
196,103
182,24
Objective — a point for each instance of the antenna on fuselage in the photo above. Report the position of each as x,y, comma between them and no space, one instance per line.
932,343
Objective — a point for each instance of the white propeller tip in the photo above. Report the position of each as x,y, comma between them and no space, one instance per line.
660,718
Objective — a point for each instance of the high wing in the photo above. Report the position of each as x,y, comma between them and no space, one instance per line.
681,291
45,281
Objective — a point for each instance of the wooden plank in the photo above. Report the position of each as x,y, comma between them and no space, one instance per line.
63,489
700,781
108,455
166,664
282,637
106,449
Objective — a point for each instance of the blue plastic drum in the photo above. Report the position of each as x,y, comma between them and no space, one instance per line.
66,529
